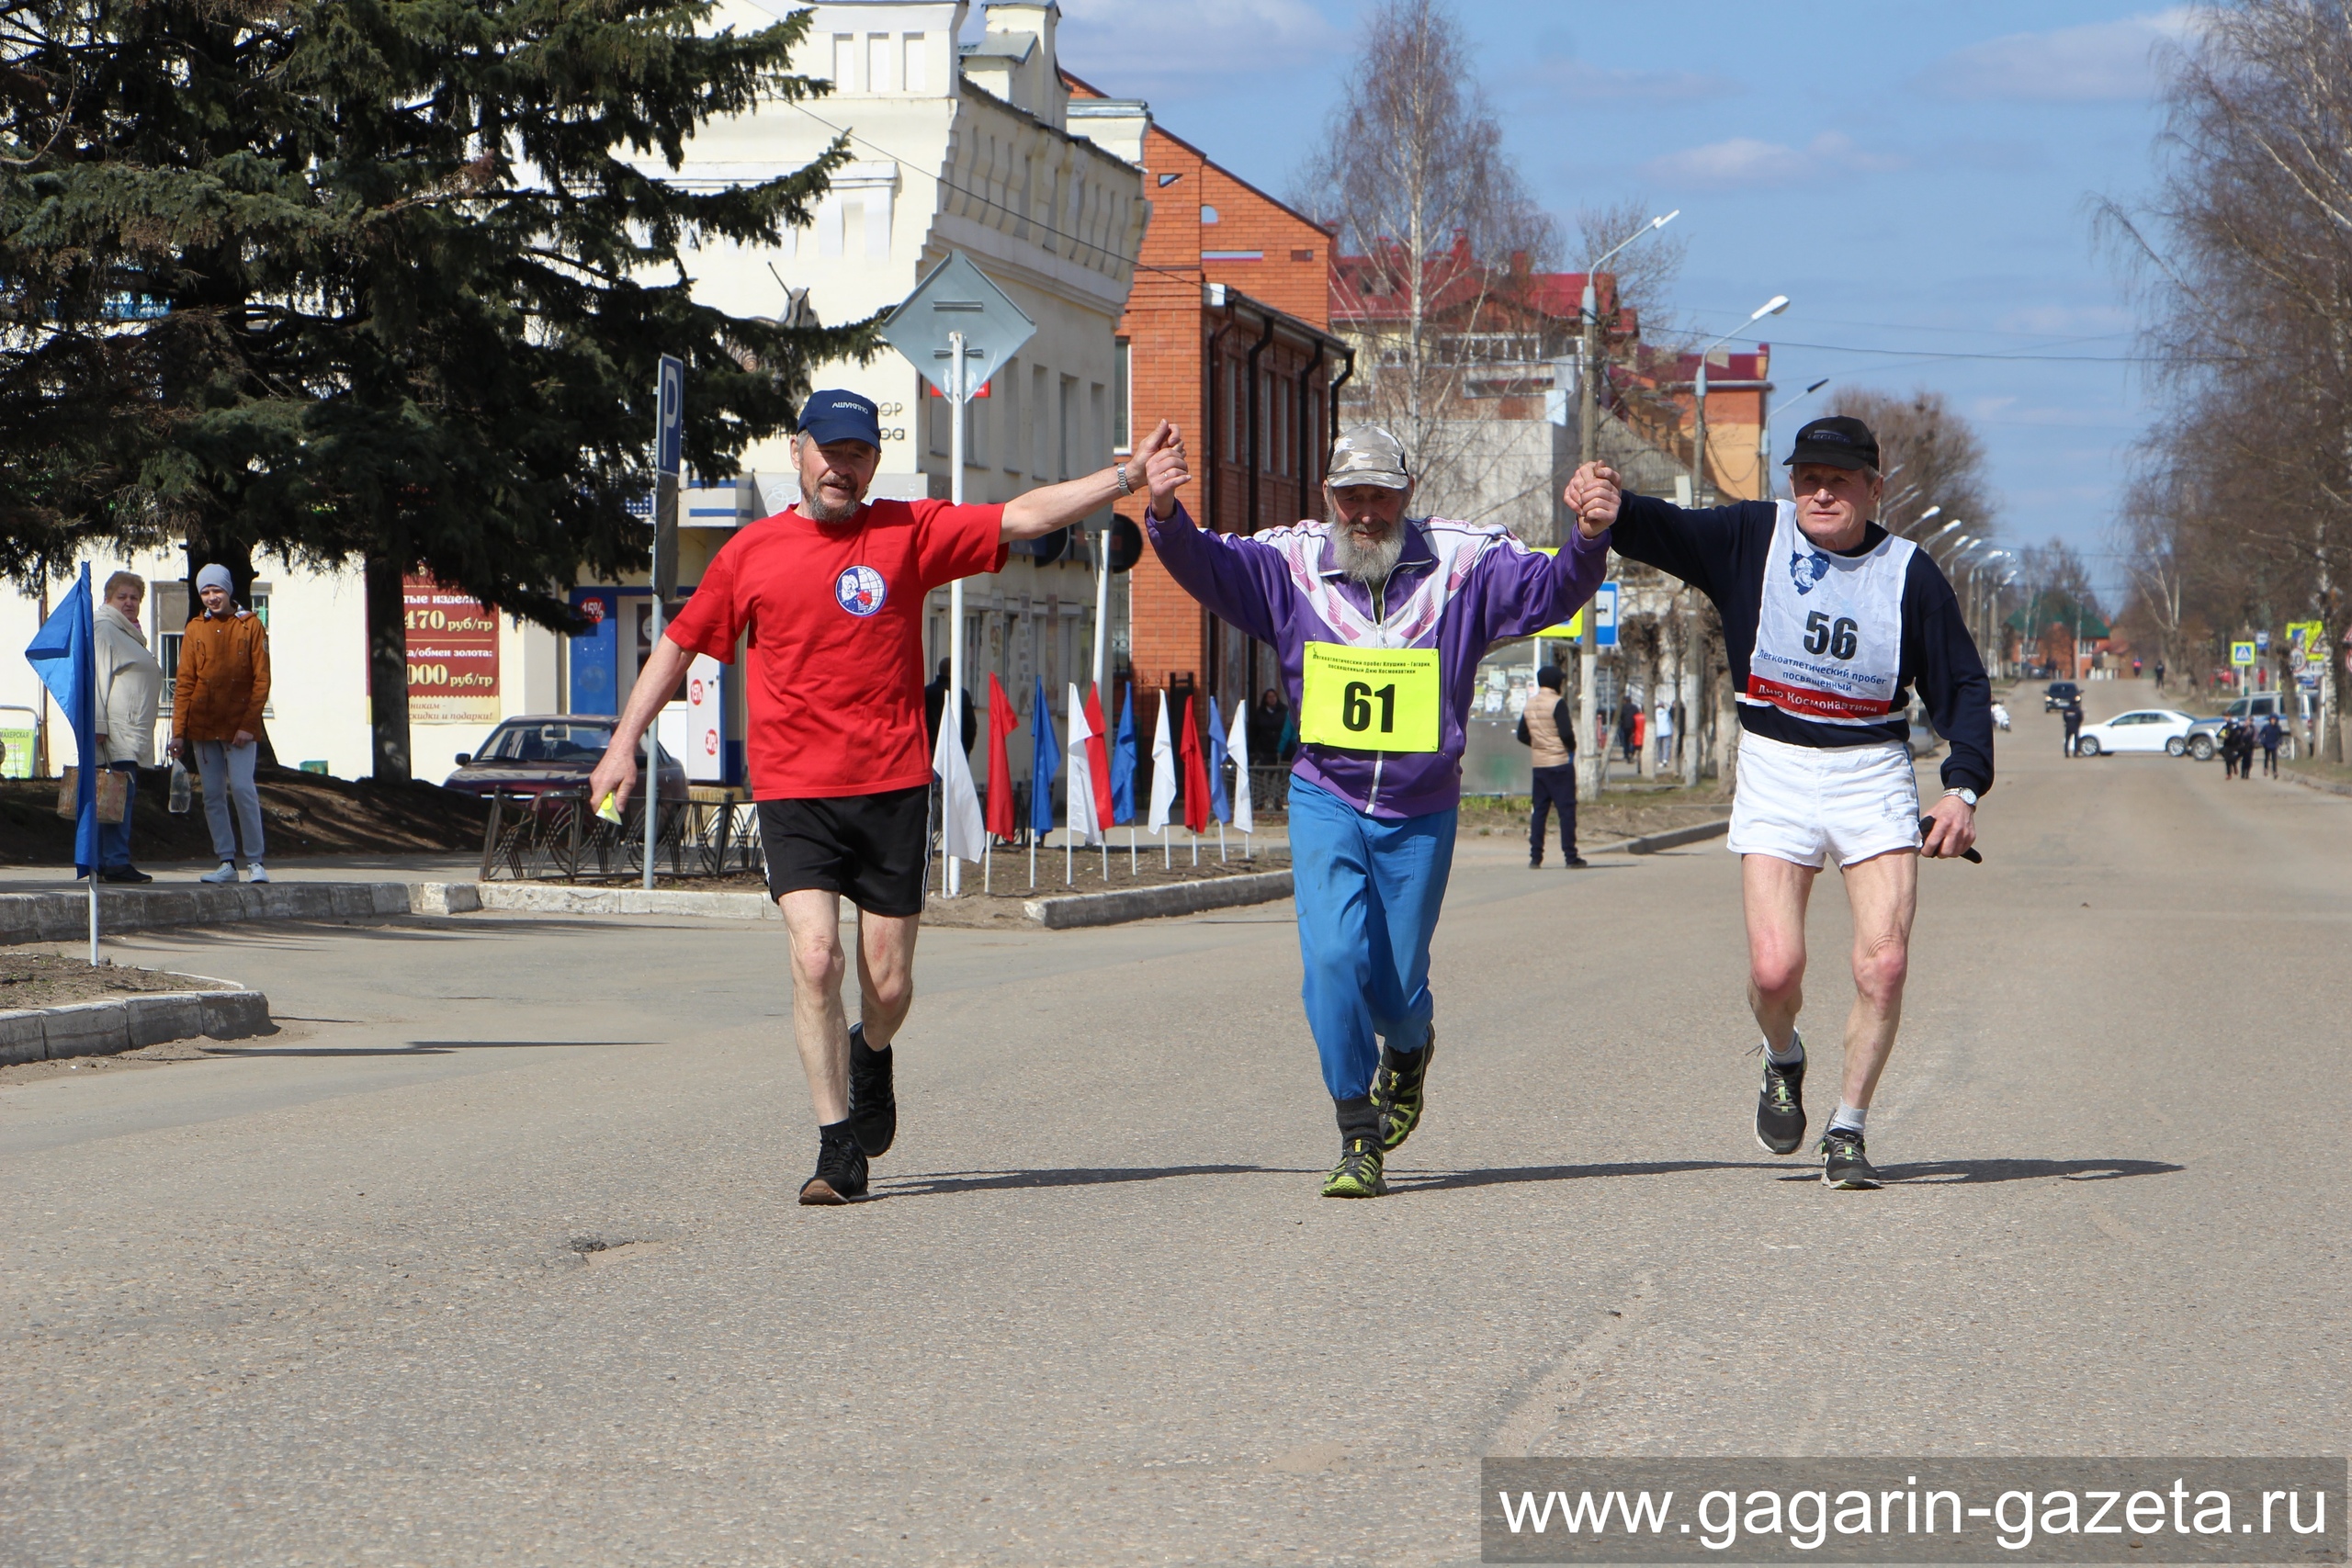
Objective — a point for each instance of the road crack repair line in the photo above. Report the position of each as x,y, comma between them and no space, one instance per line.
1562,1386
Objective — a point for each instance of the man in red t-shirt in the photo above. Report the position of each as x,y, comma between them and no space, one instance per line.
831,593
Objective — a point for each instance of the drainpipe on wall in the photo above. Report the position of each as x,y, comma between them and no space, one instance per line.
1305,463
1331,408
1257,460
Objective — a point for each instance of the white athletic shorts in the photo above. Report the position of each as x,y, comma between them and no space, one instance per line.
1800,803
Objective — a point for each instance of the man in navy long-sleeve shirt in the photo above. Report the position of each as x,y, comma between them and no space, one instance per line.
1829,622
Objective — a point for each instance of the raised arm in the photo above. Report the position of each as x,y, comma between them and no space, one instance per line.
1048,507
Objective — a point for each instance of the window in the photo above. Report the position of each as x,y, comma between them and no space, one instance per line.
912,80
878,62
1208,213
1122,396
934,419
976,433
1094,427
1069,436
1012,413
845,61
1040,422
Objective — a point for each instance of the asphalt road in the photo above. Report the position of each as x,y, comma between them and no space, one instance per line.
318,1298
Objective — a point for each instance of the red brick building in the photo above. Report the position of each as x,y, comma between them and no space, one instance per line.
1226,334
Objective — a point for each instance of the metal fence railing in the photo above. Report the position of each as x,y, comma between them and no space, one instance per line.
554,836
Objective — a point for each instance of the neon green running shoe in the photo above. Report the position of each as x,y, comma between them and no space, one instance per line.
1358,1173
1396,1091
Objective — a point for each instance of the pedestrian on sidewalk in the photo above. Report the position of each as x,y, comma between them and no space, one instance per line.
1548,731
2273,735
2072,715
2160,674
935,703
832,593
216,713
130,685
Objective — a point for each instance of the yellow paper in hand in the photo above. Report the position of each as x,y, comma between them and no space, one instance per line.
610,811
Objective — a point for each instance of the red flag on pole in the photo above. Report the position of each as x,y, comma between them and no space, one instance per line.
1002,722
1098,757
1196,769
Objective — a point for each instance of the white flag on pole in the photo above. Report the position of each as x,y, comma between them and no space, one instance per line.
1163,770
963,832
1236,746
1078,767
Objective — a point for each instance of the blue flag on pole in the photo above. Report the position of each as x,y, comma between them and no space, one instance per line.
1220,803
1123,764
63,654
1044,765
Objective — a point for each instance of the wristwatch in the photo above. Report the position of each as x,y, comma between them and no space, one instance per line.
1967,797
1126,485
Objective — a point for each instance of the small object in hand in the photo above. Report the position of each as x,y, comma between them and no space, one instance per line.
610,811
1969,855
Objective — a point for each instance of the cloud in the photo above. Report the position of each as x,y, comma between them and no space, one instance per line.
1584,80
2066,320
1743,160
1128,49
2097,62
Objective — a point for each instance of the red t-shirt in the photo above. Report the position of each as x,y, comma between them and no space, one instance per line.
835,612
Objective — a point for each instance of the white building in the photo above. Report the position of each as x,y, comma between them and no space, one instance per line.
958,144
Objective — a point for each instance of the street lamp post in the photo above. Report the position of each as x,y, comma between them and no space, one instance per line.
1772,307
1592,759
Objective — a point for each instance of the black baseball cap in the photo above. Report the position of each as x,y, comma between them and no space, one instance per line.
842,416
1839,441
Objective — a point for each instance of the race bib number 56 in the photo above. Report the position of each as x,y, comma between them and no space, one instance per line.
1370,699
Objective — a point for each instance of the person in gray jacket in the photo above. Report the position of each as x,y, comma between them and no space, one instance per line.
130,683
1548,731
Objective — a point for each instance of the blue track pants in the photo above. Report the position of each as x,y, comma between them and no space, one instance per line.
1368,891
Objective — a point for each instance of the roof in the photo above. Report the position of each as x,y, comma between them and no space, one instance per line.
1454,279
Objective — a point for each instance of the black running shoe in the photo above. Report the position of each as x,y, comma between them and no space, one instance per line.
1780,1107
1358,1173
841,1171
1843,1164
873,1107
1396,1092
1578,862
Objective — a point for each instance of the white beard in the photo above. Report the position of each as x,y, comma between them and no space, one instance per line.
814,506
1368,564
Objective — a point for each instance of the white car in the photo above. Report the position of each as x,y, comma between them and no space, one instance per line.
2142,730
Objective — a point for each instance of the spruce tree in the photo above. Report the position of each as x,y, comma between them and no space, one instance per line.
376,281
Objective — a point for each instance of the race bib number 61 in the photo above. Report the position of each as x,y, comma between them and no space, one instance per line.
1370,699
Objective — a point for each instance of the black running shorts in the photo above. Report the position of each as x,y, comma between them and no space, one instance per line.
871,849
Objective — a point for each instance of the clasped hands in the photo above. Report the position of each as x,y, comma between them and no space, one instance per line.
1593,494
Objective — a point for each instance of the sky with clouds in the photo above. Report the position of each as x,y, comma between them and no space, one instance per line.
1916,176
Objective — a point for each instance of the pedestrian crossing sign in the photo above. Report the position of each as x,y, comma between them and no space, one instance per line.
2241,653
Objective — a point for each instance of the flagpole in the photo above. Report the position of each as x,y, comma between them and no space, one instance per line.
1220,844
955,589
85,743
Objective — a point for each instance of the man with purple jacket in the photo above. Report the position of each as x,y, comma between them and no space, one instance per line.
1379,620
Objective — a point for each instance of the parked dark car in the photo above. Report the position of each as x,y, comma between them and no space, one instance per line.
2058,693
537,753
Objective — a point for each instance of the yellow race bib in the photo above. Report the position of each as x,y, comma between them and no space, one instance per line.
1370,699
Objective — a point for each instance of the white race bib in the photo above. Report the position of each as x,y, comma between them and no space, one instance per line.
1829,631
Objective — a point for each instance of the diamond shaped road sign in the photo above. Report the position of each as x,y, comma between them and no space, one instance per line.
957,296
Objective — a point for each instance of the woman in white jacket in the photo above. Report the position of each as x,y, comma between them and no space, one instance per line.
130,683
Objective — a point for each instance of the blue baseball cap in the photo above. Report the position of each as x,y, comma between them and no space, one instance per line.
840,416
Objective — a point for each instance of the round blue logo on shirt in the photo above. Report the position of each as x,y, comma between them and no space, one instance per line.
860,589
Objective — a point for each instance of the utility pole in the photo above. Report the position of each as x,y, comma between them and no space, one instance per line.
1592,758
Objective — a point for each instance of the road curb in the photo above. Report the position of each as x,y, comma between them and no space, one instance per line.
1154,903
543,898
151,1018
2325,786
1674,838
63,917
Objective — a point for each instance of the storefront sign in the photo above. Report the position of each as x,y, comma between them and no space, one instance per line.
452,656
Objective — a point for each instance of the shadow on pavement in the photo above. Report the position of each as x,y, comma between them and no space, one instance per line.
413,1048
998,1181
1954,1172
1504,1175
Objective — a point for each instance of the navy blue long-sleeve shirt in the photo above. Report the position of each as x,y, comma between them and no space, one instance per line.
1724,552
